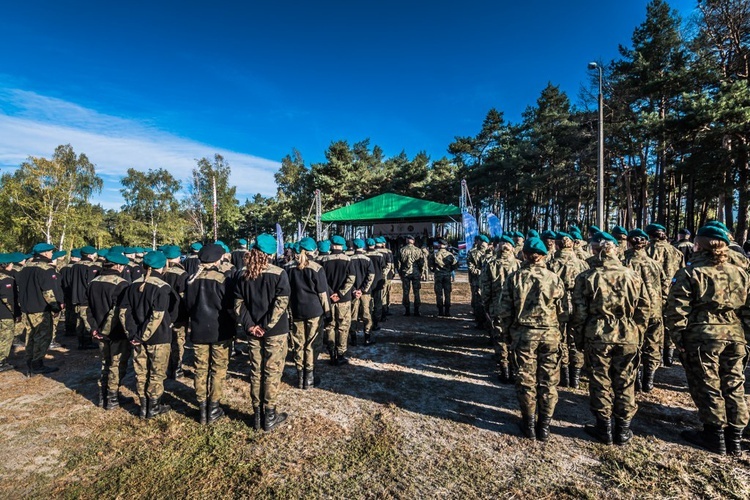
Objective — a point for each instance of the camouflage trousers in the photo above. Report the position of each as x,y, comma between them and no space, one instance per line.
211,363
337,333
267,355
115,355
377,306
569,354
362,310
498,343
653,343
443,289
715,371
7,332
476,300
537,367
177,350
386,294
38,335
613,370
305,342
409,283
150,365
82,329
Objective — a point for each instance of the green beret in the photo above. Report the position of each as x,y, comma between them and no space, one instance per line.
172,251
308,244
532,233
549,235
495,240
218,242
4,258
534,245
155,259
117,258
619,231
720,225
602,236
227,250
484,238
370,242
102,252
88,250
573,228
576,235
324,246
507,239
561,234
594,229
210,253
196,247
653,228
266,243
242,242
359,243
76,252
16,257
296,248
141,250
338,240
380,240
58,254
118,249
41,248
519,234
162,247
638,233
713,232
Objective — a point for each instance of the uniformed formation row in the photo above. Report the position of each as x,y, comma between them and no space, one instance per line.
555,304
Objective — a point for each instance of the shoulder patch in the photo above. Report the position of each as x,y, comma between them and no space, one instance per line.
271,269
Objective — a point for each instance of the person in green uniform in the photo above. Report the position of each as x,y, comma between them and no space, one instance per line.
409,264
442,263
10,310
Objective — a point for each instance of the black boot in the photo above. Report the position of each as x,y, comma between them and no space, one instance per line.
601,431
102,396
5,366
257,417
504,373
341,360
648,380
542,429
710,438
352,338
113,400
669,356
733,438
528,426
564,376
156,408
623,434
416,311
332,353
29,369
309,379
440,311
273,419
639,379
447,311
575,378
300,379
407,311
38,368
143,408
203,410
368,339
214,412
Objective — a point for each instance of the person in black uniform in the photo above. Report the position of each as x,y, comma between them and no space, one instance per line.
261,299
378,265
177,278
364,272
104,296
209,299
134,269
147,312
238,255
340,277
10,310
65,283
41,298
80,275
192,261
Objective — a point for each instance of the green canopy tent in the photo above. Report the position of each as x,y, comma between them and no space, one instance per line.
392,208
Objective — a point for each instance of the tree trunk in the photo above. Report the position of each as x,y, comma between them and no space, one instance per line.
744,194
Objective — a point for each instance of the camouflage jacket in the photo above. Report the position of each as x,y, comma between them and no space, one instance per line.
475,261
667,256
610,305
442,262
530,304
567,266
496,270
709,302
653,277
582,250
410,262
737,257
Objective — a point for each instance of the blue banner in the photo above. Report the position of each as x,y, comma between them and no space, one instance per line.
471,229
496,229
279,240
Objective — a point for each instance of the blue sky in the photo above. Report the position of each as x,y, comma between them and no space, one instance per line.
159,84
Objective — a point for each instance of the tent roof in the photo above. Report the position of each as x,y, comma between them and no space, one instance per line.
391,207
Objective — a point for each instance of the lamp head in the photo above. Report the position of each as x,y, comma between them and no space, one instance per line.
593,65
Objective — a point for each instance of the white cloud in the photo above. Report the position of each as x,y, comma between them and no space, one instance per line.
34,125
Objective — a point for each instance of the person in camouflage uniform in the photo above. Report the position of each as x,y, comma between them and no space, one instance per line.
442,263
389,271
410,263
475,261
621,235
496,271
579,246
261,299
737,256
528,315
364,272
176,275
567,266
378,263
708,317
657,286
10,310
610,314
340,277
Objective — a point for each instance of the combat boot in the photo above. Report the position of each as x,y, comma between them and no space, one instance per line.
102,395
669,356
4,367
257,417
602,431
38,368
575,378
623,434
407,311
113,400
341,360
332,353
733,438
710,438
528,426
214,412
564,376
310,379
300,379
273,419
440,311
639,379
447,311
648,380
368,339
542,429
416,311
156,408
143,408
504,373
203,410
352,338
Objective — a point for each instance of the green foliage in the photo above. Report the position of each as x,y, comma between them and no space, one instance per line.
199,203
150,207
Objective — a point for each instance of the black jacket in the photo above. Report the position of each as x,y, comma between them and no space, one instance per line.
148,316
263,301
209,300
364,272
78,276
307,286
9,307
177,278
340,275
39,287
104,297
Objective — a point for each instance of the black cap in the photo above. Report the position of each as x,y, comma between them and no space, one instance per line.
210,253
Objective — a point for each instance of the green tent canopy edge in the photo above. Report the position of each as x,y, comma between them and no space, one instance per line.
390,207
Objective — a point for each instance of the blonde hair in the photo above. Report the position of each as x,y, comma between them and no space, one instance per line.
718,249
145,279
302,259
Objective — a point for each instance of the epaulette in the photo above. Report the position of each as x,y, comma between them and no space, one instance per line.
271,269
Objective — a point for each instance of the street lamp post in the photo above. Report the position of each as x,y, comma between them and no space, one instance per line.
600,158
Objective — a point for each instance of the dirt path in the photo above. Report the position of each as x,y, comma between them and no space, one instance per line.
418,414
